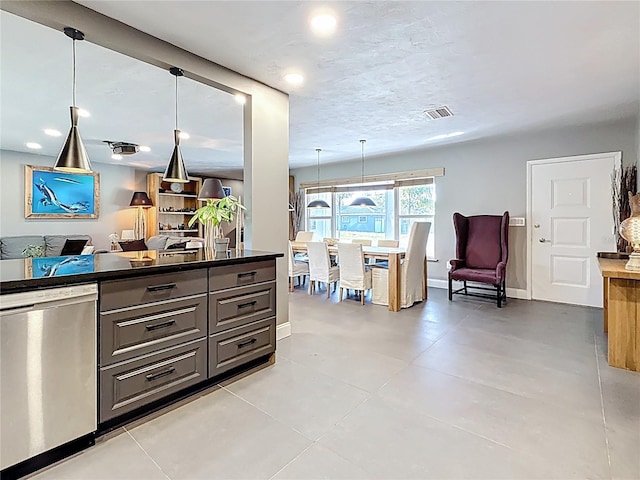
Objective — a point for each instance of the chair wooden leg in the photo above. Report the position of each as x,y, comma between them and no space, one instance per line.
450,289
328,289
499,287
341,293
291,284
362,297
465,288
311,282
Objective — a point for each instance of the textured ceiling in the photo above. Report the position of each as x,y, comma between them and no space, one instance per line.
128,100
500,66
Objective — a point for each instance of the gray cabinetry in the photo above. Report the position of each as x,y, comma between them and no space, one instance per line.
242,309
153,332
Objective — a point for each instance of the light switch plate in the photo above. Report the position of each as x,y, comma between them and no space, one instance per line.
516,222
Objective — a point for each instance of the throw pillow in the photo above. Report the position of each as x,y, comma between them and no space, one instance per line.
133,246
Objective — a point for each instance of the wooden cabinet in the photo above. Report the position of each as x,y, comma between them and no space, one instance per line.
173,209
242,314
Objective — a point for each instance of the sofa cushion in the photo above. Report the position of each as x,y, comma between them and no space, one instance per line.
12,247
157,242
54,243
133,246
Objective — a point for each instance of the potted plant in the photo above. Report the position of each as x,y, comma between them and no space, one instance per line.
212,215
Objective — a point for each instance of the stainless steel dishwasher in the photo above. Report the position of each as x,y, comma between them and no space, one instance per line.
48,367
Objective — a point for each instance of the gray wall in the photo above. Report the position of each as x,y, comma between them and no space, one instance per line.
488,177
117,183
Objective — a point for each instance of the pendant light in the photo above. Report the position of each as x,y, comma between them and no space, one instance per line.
73,156
318,203
176,171
363,201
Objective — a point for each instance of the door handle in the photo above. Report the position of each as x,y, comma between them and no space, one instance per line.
544,240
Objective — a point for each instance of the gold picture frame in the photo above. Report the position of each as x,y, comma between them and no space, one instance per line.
54,194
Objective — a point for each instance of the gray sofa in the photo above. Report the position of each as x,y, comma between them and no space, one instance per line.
164,242
12,247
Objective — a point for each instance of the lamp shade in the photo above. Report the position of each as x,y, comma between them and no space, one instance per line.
140,199
362,202
176,171
211,189
127,235
318,204
73,156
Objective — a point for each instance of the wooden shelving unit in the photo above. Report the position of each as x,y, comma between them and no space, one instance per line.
172,211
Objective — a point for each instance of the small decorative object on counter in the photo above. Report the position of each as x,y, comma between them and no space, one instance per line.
630,231
113,239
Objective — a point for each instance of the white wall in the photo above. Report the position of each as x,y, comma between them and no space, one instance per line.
488,177
117,184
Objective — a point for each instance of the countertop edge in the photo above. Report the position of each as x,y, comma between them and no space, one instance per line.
21,285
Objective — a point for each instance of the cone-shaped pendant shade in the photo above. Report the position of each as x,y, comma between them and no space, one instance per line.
176,171
73,156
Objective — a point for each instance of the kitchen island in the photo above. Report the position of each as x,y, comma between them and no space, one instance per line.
109,338
621,298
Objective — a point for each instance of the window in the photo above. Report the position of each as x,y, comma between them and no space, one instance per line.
417,203
413,200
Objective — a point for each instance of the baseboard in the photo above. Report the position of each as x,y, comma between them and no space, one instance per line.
437,283
511,292
518,293
283,330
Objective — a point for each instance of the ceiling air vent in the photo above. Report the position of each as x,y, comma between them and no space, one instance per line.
438,112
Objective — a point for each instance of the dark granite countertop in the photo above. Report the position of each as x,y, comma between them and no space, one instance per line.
29,273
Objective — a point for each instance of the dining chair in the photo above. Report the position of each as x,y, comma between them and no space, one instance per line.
411,271
362,241
353,273
296,269
303,236
388,243
320,269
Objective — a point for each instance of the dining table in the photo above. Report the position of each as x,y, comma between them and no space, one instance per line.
393,256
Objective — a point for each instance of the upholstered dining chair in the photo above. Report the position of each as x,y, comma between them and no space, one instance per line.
388,243
362,241
320,269
353,273
303,236
411,271
296,269
482,252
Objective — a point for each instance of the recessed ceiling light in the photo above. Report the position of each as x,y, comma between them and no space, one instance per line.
52,132
241,99
294,78
323,24
34,145
184,135
116,156
144,148
83,113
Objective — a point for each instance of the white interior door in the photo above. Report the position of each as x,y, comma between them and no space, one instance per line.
571,221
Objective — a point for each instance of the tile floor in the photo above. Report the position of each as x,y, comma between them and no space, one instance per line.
441,390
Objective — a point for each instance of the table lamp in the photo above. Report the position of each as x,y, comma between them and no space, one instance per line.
630,231
127,235
140,200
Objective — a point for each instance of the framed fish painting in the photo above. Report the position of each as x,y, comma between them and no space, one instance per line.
51,193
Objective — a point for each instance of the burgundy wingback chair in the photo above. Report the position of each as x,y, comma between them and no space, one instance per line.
482,251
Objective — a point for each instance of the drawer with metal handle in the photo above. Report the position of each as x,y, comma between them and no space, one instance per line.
128,385
116,294
239,306
237,346
240,275
132,331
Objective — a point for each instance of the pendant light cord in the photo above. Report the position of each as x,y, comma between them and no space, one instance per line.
73,76
362,174
318,182
176,102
